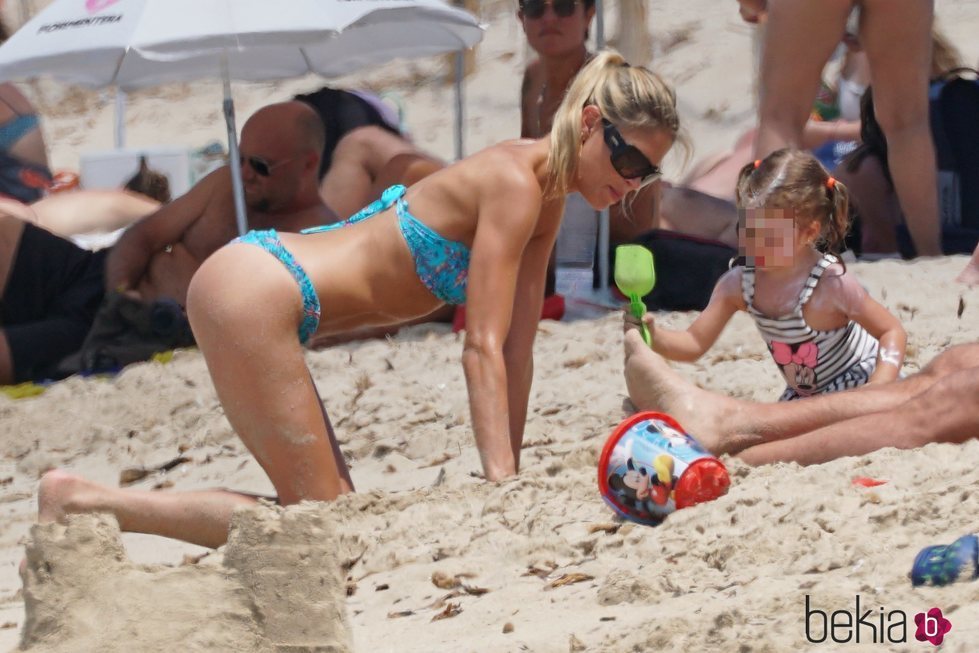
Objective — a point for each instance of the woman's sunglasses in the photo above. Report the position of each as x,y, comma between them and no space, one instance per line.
262,167
534,9
627,159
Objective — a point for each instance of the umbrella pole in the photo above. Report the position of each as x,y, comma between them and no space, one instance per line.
229,120
603,225
120,135
460,73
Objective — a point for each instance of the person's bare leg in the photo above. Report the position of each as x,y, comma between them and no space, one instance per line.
898,44
197,517
357,161
799,38
654,385
897,39
259,371
945,412
970,275
876,204
727,425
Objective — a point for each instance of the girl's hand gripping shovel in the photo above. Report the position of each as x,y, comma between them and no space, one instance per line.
635,277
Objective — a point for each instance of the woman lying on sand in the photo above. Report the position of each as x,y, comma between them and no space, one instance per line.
478,232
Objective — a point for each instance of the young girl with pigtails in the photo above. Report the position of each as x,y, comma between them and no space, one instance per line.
825,332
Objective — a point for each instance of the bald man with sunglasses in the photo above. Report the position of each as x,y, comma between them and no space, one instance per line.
54,292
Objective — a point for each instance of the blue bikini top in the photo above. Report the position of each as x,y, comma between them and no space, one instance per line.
441,264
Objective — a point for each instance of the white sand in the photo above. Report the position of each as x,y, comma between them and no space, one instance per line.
726,576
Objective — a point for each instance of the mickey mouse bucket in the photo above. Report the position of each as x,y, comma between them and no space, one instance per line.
651,467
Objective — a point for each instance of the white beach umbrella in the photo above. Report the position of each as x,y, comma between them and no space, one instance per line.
138,43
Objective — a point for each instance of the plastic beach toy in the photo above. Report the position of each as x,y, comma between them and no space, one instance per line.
946,564
635,277
650,467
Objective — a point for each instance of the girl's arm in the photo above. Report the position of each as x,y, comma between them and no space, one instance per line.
505,226
879,322
691,344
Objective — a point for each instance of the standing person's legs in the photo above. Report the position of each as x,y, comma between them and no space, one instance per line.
897,39
799,39
945,412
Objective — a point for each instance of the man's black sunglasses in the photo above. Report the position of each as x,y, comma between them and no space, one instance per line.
534,9
262,167
627,159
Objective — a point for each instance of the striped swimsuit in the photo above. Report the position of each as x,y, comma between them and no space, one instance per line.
813,362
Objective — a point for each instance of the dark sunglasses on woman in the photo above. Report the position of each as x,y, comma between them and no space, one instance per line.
534,9
262,167
627,159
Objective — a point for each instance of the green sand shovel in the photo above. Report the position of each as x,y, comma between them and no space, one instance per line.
635,276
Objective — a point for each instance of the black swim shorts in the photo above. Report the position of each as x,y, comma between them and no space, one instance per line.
53,292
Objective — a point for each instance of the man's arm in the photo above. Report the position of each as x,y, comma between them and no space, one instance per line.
129,257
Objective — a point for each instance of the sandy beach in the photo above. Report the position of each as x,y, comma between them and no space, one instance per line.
431,558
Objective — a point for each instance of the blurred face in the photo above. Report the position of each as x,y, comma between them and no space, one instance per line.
767,237
555,27
270,170
615,161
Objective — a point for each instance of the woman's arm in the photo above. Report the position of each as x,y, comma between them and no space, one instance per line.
518,351
508,211
691,344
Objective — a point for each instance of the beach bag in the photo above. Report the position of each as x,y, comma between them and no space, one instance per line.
955,129
687,268
954,114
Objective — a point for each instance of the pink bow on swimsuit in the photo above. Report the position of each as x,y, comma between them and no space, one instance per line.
805,355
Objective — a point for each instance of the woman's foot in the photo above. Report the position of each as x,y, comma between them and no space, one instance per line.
61,494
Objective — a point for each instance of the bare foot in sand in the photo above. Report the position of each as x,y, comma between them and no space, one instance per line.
970,275
654,385
61,494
